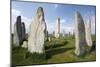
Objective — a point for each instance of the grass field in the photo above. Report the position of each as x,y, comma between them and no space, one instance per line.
57,51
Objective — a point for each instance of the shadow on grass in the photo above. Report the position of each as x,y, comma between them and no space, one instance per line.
55,51
93,48
55,45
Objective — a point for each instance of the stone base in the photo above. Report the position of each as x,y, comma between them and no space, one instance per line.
80,52
24,45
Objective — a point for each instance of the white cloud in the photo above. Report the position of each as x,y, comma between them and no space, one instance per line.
55,5
25,19
62,20
50,26
14,14
67,28
27,22
64,27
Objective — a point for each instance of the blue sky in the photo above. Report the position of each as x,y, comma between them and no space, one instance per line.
52,11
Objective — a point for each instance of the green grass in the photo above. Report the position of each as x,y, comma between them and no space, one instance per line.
57,51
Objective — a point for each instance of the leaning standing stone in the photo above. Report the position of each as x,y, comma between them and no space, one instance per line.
36,35
79,35
88,33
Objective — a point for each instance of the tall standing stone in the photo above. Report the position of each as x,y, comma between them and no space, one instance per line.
36,35
63,34
17,32
88,33
57,30
79,35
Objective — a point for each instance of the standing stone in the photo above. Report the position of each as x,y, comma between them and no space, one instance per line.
79,35
23,31
63,34
57,30
36,35
17,32
88,33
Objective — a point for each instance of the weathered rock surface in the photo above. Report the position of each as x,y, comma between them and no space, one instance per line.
36,35
17,32
79,35
88,33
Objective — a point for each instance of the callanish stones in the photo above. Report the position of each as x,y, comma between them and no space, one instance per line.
36,35
79,34
44,33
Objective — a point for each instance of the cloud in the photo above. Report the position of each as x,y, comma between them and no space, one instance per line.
50,26
55,5
62,20
67,28
25,19
27,22
14,14
88,15
64,27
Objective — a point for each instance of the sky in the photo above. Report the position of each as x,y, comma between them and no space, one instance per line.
52,11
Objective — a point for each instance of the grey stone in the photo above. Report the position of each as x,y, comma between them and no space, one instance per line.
79,35
17,32
36,34
88,33
57,29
